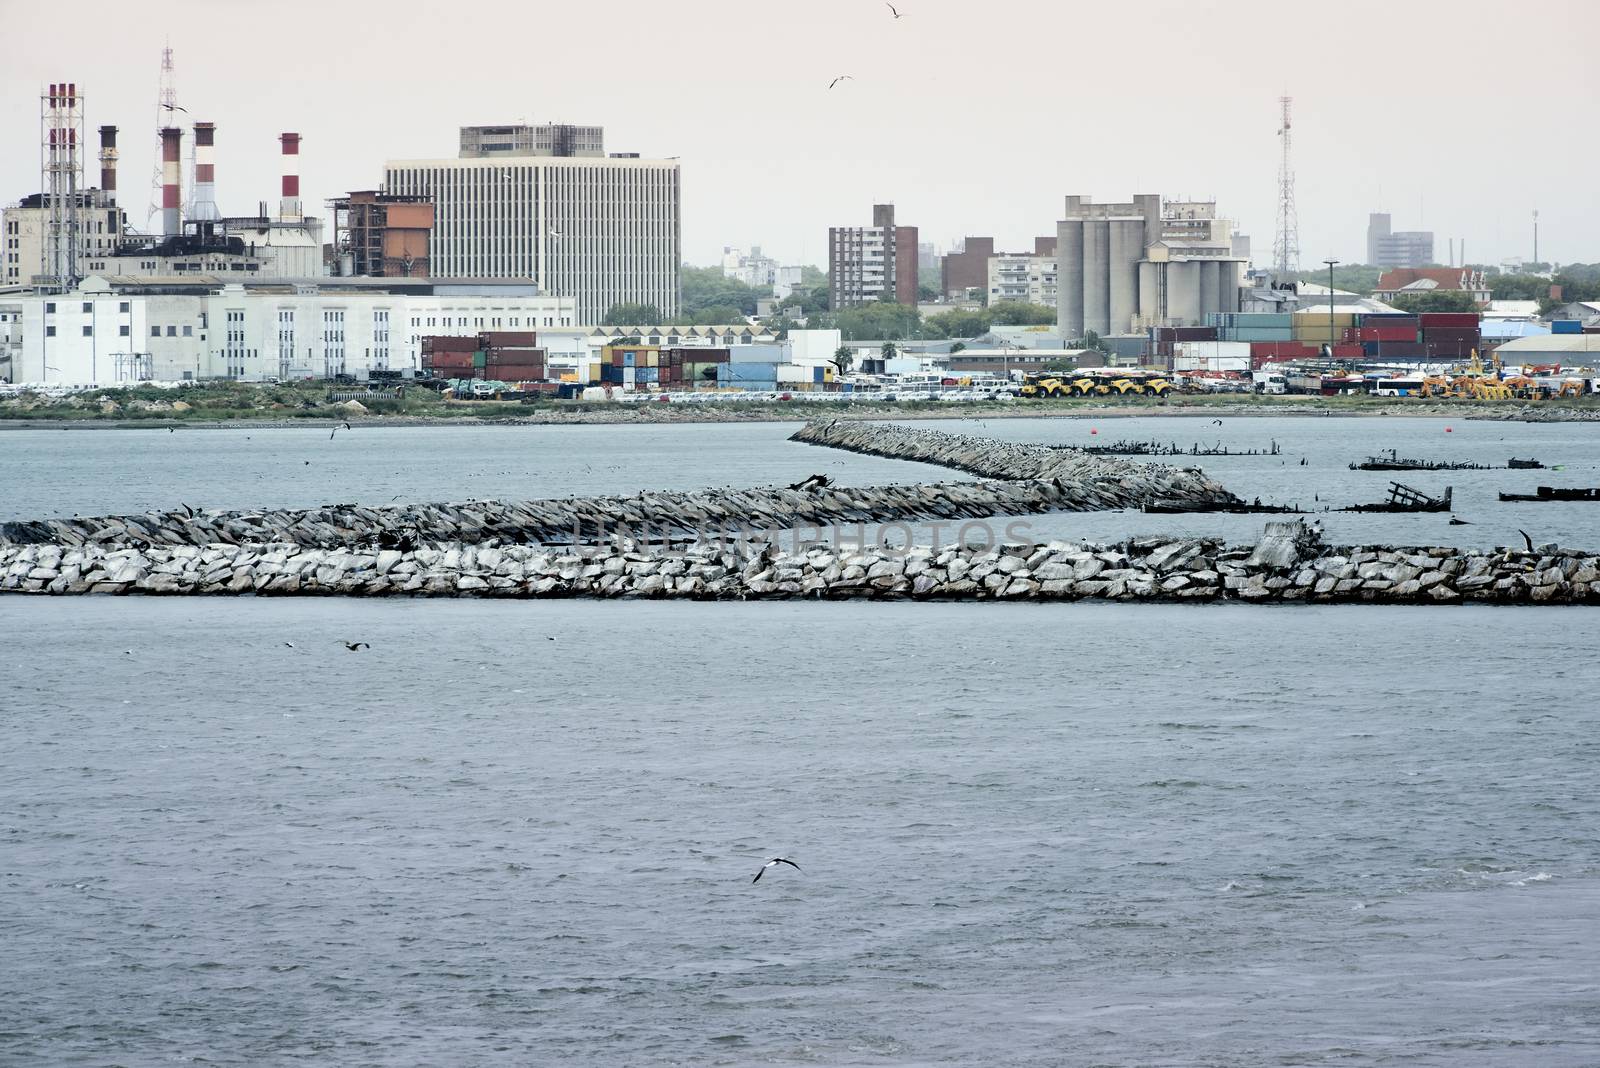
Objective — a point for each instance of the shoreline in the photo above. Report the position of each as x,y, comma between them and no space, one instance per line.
667,415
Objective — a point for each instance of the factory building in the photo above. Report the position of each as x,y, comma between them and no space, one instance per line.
872,263
1396,248
603,230
382,235
189,328
1130,266
51,245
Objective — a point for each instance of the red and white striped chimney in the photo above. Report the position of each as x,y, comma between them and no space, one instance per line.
108,163
171,181
289,206
204,208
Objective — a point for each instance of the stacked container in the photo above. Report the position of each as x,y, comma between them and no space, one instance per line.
1451,335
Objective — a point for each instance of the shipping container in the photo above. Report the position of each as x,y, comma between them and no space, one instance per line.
1449,320
442,343
1257,333
1566,326
508,338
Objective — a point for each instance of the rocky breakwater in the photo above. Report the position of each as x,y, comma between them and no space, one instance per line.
1287,566
1086,482
575,519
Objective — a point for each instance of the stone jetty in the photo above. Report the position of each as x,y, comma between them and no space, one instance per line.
574,519
1288,565
1092,481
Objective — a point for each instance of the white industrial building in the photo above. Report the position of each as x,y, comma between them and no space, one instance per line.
1145,263
604,230
130,329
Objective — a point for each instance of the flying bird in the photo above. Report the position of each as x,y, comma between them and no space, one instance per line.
175,107
289,644
355,647
773,863
893,10
840,78
1217,422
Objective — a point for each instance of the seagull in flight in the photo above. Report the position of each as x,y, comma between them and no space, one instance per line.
175,107
893,10
355,647
840,78
773,863
554,232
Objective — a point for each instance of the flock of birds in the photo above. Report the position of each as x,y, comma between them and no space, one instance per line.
898,15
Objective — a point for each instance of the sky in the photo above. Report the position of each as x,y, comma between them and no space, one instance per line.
1459,116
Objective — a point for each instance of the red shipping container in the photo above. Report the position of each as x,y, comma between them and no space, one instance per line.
516,373
441,343
1348,352
523,339
447,359
1450,320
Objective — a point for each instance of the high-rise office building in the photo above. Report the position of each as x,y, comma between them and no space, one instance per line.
1396,248
604,230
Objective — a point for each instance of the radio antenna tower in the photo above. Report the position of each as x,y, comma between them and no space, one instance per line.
166,115
1286,243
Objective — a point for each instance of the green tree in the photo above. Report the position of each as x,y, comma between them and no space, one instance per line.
1437,300
843,359
807,299
889,351
705,287
1090,340
1519,287
1021,313
878,321
1358,278
956,323
957,347
632,315
716,315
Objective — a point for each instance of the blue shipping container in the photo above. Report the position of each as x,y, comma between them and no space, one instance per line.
1566,326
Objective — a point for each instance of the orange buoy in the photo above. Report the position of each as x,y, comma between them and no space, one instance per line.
1449,430
1092,430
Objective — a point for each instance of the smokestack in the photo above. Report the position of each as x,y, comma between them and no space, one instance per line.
289,206
171,181
108,163
205,188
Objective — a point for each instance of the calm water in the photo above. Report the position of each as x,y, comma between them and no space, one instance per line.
1213,836
56,472
1033,835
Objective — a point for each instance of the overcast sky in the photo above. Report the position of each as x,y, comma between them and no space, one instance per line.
1459,116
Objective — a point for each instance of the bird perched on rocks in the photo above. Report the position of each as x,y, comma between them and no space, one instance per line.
812,483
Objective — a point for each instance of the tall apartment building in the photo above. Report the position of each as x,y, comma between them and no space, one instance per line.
1397,248
603,230
1144,263
1028,277
966,269
551,139
872,263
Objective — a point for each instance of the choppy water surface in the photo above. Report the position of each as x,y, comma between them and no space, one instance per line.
51,472
1030,834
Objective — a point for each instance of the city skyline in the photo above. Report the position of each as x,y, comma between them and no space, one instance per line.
966,126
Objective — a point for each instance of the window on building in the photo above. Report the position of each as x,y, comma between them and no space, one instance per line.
49,307
87,307
88,331
49,331
124,307
188,331
122,330
172,331
155,331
